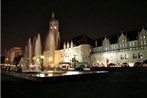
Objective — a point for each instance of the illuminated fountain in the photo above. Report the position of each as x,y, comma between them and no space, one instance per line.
32,59
37,53
50,47
26,61
29,52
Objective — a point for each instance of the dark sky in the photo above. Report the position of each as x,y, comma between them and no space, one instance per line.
22,19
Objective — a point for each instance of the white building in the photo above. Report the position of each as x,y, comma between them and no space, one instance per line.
125,50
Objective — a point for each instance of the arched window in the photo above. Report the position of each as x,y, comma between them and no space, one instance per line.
140,55
134,56
121,57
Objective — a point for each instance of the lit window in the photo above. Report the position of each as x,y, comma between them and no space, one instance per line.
140,37
51,27
126,56
143,36
140,55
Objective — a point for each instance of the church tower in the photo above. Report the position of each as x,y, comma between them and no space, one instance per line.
54,30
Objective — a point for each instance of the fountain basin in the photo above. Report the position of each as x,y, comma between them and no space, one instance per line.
45,76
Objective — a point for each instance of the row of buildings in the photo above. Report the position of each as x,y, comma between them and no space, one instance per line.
129,47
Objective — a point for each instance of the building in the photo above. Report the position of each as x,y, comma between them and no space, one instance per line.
12,53
130,48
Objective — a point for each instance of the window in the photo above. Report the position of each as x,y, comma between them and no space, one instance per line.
140,55
126,56
130,44
123,45
143,36
141,42
145,42
121,57
134,56
133,43
106,48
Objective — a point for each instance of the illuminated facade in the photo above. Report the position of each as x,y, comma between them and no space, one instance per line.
69,54
125,50
12,53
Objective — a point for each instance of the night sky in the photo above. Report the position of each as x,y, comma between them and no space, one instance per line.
24,19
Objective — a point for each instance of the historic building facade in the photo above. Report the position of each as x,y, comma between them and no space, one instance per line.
124,50
70,54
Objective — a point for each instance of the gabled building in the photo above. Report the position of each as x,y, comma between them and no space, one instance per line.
128,47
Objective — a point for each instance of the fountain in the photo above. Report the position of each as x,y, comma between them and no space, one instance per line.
33,54
37,53
29,51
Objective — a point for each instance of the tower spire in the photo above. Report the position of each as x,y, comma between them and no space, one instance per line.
53,16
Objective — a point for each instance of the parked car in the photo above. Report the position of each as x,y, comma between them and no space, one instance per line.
138,64
112,65
124,65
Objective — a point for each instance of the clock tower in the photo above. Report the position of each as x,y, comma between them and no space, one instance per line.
54,30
